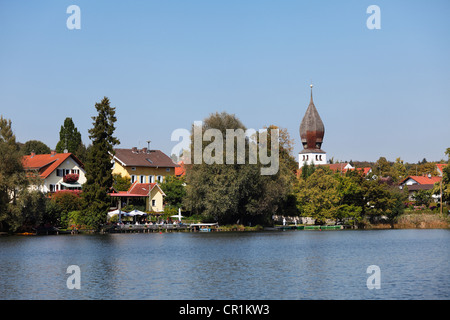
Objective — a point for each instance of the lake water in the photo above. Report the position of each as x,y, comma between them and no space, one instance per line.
414,264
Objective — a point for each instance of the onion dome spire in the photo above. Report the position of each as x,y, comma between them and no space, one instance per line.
312,129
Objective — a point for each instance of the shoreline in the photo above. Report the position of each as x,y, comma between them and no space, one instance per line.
405,221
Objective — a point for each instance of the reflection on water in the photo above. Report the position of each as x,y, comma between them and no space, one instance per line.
262,265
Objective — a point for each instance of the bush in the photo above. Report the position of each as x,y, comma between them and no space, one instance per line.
67,201
76,219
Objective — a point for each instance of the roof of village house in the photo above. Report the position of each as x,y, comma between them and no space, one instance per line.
143,188
45,164
339,167
180,170
143,158
441,166
422,179
137,190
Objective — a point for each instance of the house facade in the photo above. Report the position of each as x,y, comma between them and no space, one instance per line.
55,171
150,192
143,165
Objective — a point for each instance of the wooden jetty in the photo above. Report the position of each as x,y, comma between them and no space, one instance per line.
148,228
308,227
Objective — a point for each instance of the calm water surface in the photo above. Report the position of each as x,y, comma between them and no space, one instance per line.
291,265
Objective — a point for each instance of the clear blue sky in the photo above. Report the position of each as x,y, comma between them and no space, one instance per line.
165,64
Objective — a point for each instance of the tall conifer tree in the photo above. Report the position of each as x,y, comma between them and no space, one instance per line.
98,165
69,137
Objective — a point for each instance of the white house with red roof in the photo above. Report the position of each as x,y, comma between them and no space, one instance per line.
55,171
416,183
420,180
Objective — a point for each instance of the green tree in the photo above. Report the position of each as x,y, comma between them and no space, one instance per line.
32,206
69,138
423,197
279,197
36,146
424,169
383,168
99,179
12,177
351,196
397,206
446,179
175,190
121,183
399,170
234,192
307,170
213,190
66,201
383,200
318,196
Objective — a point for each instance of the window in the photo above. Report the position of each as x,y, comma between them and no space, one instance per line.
168,170
160,178
75,171
151,179
133,178
133,168
142,179
153,203
52,188
60,172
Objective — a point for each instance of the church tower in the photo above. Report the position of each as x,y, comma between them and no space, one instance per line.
312,131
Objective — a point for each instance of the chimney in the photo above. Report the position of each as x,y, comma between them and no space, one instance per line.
144,150
134,150
53,153
32,154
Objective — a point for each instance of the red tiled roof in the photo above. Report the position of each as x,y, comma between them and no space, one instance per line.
423,179
141,188
45,164
137,190
337,166
180,171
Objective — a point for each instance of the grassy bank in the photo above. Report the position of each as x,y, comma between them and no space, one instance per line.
417,220
240,227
